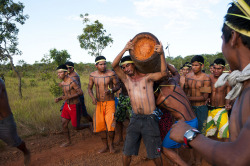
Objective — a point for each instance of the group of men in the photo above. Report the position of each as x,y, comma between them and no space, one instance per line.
198,103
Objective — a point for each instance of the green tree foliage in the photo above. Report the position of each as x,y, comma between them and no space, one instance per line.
11,13
94,37
58,57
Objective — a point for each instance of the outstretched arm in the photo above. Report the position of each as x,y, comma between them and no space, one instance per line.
216,152
157,76
115,64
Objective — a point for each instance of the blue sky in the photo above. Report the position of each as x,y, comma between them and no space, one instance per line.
189,26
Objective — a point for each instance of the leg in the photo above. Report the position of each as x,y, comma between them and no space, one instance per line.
119,126
158,161
65,123
126,160
105,148
173,156
26,153
111,135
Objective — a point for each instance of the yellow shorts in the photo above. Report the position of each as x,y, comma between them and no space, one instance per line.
104,118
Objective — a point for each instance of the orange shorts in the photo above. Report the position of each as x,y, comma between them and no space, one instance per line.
104,118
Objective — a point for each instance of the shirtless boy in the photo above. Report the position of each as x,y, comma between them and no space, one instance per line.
74,75
236,50
171,97
8,131
143,122
218,106
197,88
106,84
72,107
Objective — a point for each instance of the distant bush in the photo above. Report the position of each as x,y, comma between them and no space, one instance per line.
55,90
33,83
45,76
10,73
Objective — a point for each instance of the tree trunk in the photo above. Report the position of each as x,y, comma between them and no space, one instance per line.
19,76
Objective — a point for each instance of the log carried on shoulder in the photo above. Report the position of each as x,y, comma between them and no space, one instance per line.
143,55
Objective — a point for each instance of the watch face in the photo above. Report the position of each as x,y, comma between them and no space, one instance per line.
189,135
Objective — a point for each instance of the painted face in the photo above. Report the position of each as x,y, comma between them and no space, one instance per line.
128,68
101,66
61,74
218,70
196,67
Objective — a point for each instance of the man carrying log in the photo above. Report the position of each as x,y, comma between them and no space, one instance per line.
143,123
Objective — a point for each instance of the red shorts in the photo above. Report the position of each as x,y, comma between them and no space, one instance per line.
70,112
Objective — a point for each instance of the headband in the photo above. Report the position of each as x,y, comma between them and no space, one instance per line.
100,61
69,66
62,70
243,6
219,64
198,62
126,62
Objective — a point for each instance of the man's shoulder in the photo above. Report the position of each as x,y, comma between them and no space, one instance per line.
110,73
206,76
190,75
93,74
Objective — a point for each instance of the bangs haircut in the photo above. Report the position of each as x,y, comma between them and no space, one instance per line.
126,58
197,58
220,61
71,64
63,67
99,58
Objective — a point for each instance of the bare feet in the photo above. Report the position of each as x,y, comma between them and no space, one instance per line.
104,150
111,149
65,144
27,159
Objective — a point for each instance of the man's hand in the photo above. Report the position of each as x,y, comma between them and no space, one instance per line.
207,101
228,107
108,92
158,49
58,99
178,130
129,46
94,101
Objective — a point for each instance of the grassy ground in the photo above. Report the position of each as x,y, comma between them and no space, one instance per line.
37,113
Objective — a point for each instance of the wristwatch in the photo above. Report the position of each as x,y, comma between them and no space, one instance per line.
190,135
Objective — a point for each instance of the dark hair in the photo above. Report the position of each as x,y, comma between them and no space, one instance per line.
69,64
187,64
212,64
63,66
198,58
99,58
126,58
220,61
238,22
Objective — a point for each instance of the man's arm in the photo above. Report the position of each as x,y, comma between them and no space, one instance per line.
90,90
204,96
157,76
115,64
116,86
216,152
176,75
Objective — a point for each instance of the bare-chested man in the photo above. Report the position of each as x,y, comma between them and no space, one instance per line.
218,106
106,84
197,87
143,122
185,70
8,131
72,106
74,75
171,97
236,50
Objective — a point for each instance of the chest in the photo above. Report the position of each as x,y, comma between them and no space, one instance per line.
102,81
194,84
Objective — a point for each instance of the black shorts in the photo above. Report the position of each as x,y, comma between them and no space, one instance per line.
146,127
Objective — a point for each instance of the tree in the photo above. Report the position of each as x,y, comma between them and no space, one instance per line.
59,57
10,14
94,37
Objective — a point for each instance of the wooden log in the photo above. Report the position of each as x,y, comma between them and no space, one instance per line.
143,55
